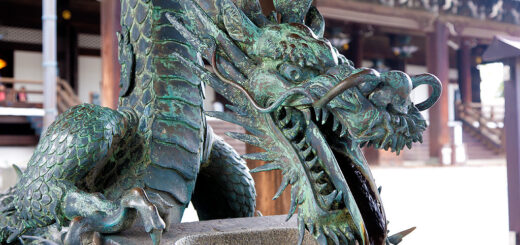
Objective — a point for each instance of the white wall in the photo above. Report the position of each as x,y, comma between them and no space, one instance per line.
28,66
89,77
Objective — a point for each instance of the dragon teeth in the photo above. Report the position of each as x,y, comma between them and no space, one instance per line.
339,197
301,144
319,175
322,188
330,198
325,116
312,162
335,124
343,131
307,151
285,120
317,113
292,132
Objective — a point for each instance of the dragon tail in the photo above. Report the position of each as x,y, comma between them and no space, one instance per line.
7,214
224,173
7,210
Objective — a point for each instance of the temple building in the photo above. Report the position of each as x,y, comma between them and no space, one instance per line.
446,38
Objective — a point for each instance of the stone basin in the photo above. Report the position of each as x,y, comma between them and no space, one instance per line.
250,231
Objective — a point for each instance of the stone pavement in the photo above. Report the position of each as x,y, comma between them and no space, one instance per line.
448,205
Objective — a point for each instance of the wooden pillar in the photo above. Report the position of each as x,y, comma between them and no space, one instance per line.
512,130
49,64
438,64
266,184
68,52
464,68
110,15
355,52
475,73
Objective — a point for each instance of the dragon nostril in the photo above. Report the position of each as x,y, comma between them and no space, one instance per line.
397,109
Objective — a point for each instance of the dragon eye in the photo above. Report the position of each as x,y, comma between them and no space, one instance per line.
291,72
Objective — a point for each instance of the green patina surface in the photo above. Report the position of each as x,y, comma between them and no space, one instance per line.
97,169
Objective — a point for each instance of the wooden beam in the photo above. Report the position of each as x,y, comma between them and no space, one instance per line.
110,15
18,140
374,14
12,80
29,16
438,64
412,19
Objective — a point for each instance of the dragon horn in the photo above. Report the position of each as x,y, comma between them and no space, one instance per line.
347,83
292,11
253,10
238,25
436,85
315,21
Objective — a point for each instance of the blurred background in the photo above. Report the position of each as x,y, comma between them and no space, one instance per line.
460,186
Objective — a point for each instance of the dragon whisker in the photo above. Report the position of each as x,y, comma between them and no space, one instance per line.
344,85
436,85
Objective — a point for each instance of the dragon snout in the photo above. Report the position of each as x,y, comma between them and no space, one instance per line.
389,90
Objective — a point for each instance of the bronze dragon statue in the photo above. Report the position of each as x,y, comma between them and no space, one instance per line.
96,169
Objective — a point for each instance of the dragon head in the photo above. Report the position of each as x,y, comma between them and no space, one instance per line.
308,107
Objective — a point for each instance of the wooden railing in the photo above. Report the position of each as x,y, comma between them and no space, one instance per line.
66,97
484,122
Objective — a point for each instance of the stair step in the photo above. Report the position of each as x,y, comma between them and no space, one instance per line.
476,149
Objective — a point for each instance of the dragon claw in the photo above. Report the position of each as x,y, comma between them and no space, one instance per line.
156,235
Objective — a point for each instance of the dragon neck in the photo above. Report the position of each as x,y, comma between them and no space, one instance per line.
153,82
166,97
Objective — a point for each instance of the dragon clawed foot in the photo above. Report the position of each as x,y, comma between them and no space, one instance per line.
105,221
152,221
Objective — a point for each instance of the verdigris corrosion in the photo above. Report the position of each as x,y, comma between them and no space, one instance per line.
96,169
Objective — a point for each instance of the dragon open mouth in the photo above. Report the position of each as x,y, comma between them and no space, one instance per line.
333,167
